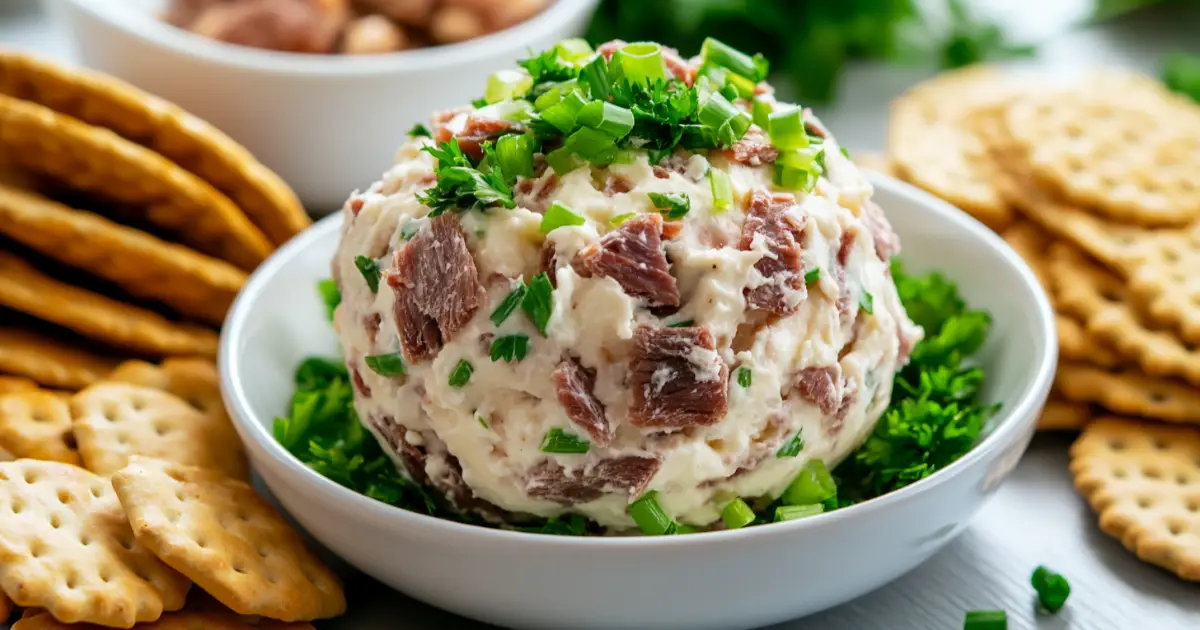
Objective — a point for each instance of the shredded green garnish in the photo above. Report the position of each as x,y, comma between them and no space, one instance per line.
463,185
672,205
331,296
687,323
792,447
461,373
386,364
538,302
866,302
621,218
745,377
559,441
510,348
418,130
369,270
509,303
558,215
812,275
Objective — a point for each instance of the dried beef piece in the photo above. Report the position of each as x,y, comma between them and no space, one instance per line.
575,385
633,256
548,262
355,204
437,287
371,324
782,267
359,383
616,185
412,456
479,130
754,149
534,194
833,423
678,379
607,49
887,242
845,246
628,475
814,126
821,386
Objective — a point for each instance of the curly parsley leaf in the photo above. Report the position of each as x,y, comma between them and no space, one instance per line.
463,186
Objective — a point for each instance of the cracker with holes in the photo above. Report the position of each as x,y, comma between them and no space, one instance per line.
66,546
227,539
1144,481
1063,415
116,421
182,620
1128,391
1076,343
1165,279
194,380
36,424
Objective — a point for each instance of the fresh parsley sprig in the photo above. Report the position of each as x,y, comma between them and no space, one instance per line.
463,185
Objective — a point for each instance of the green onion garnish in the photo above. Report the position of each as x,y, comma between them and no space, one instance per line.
718,53
573,50
594,146
799,169
419,130
563,113
410,229
649,515
621,218
613,120
676,205
461,373
867,303
736,514
787,129
482,422
1052,588
986,620
745,377
369,270
510,348
844,152
724,118
558,215
683,323
563,161
722,189
559,441
507,85
386,364
761,113
812,275
641,62
792,447
330,295
793,512
509,303
814,484
537,302
514,155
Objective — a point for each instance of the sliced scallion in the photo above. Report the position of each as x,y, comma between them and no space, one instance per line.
573,50
729,122
461,373
621,218
510,348
594,146
614,120
507,85
561,442
649,515
745,377
509,303
718,53
558,215
793,512
641,62
736,514
812,275
563,113
369,270
1052,588
787,129
761,113
986,620
722,189
538,303
563,161
391,364
674,205
792,447
514,155
813,485
866,302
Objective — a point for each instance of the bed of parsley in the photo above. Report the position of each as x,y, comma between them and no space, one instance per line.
935,416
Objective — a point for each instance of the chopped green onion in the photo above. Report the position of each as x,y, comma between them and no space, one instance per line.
595,74
519,110
594,146
641,62
761,113
419,130
602,116
649,515
461,373
330,295
793,512
814,484
514,154
844,152
812,275
792,447
509,303
573,50
558,215
745,377
410,229
507,85
369,270
866,302
799,169
621,218
686,323
537,302
676,204
729,122
718,53
722,189
548,99
510,348
736,514
559,441
986,620
787,129
1052,588
563,113
479,103
563,161
386,364
482,422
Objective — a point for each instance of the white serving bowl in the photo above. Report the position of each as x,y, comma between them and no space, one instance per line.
731,579
325,123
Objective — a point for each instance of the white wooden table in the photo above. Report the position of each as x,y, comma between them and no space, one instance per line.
1034,519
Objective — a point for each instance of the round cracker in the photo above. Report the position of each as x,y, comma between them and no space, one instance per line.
163,127
99,162
196,286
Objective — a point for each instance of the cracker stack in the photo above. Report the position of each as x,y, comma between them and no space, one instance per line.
128,505
127,225
1096,183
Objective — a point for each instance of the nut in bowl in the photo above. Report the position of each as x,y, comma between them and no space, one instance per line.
635,294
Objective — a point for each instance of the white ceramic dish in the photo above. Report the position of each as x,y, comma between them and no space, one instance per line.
324,123
734,579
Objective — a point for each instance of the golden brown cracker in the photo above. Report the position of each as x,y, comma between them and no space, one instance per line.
116,421
874,161
1031,243
99,162
1128,391
1165,280
66,546
36,424
1144,481
1076,343
6,607
1063,415
1132,162
23,288
182,620
194,380
10,384
49,361
195,285
107,102
228,540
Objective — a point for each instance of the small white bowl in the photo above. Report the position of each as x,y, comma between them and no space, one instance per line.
732,579
325,123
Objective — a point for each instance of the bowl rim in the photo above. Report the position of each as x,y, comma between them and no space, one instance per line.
1012,423
148,28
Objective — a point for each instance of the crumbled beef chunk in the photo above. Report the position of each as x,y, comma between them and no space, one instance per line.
845,246
814,126
371,325
754,149
821,386
633,256
359,383
479,130
678,379
616,185
534,194
575,385
887,243
548,262
768,224
671,229
437,287
441,123
629,475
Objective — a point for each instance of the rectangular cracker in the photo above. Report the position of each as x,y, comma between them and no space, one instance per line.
182,620
1128,391
49,361
36,424
194,380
